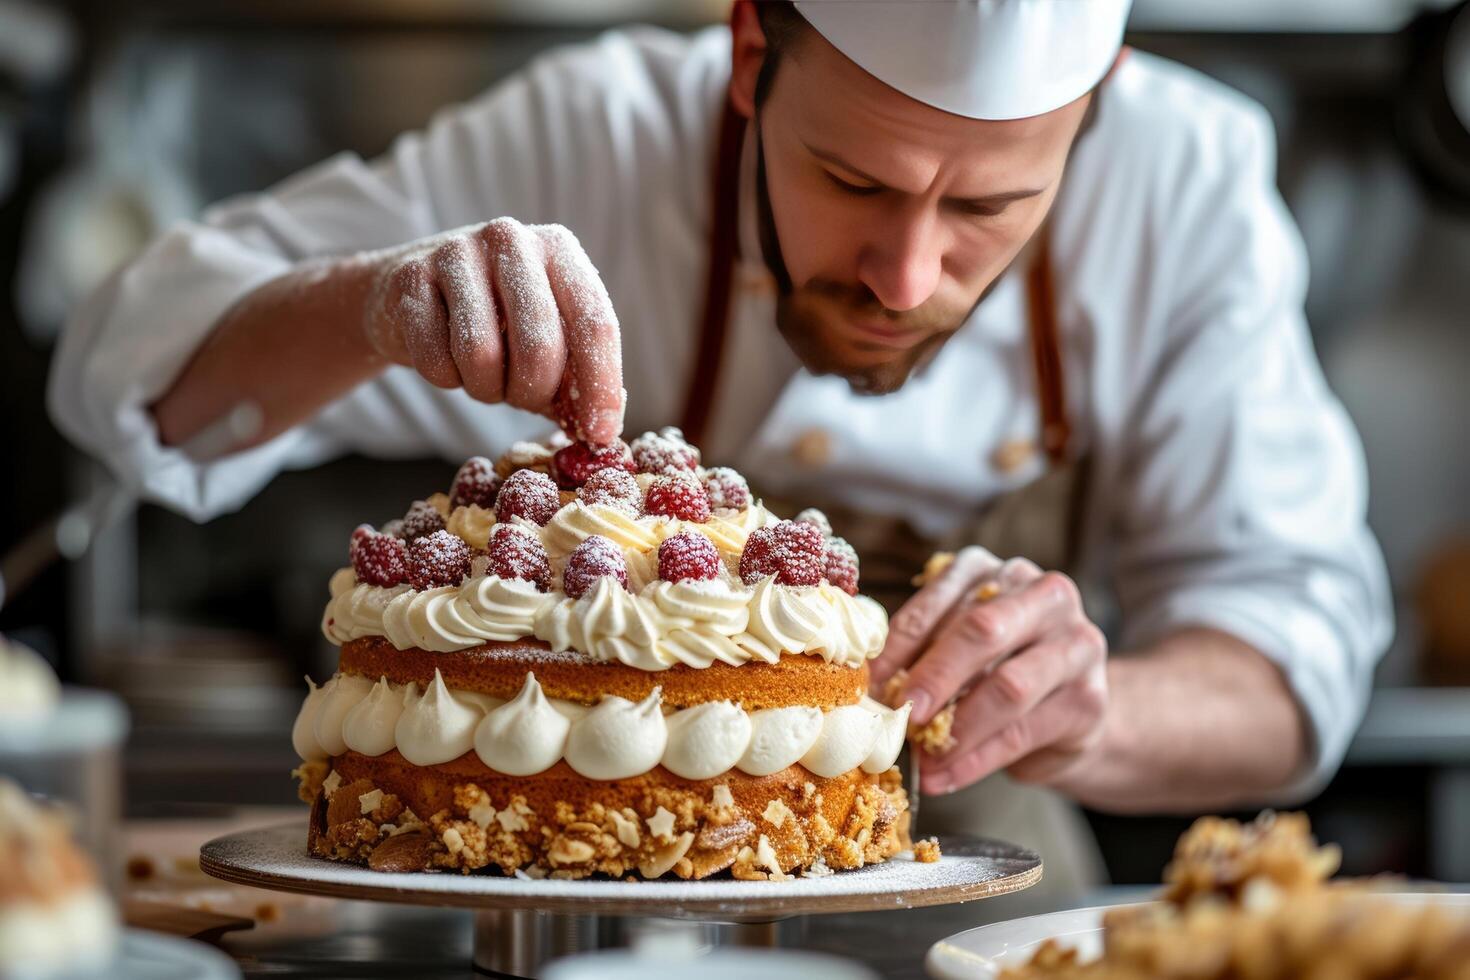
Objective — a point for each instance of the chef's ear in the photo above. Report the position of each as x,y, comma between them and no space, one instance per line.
748,56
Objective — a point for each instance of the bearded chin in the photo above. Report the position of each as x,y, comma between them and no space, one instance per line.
800,333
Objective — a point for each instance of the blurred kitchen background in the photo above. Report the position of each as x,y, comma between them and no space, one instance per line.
119,117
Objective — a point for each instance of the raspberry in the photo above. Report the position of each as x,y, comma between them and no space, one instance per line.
475,483
726,488
842,565
816,519
422,519
571,467
591,560
612,487
793,552
528,494
664,451
438,559
678,496
514,552
378,559
688,555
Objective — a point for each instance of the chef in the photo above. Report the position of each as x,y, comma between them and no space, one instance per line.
972,274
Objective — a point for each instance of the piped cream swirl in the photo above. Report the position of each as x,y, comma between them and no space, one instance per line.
653,624
615,739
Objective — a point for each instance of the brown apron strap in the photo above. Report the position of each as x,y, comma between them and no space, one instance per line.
699,398
715,318
1046,352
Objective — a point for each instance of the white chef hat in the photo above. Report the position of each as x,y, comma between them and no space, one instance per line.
986,59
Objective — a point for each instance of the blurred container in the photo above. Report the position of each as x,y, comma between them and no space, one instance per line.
71,755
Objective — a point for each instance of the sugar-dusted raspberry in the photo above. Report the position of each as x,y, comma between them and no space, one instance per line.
514,552
475,483
842,565
688,555
677,495
612,487
758,557
378,559
571,466
795,553
528,494
816,519
438,559
726,488
664,451
594,558
422,519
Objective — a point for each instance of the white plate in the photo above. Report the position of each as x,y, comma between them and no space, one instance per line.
142,955
981,953
153,956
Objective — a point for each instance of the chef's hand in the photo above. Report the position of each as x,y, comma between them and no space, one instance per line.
1031,664
511,313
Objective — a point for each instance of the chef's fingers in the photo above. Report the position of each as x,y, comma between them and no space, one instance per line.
423,321
915,624
1020,683
594,399
1017,573
983,634
535,350
1060,725
1013,574
474,327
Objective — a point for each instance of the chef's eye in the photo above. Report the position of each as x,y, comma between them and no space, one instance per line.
861,190
979,209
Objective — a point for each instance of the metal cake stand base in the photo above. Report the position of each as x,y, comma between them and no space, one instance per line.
520,942
521,924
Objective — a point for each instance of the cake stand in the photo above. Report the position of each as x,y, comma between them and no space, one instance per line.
520,923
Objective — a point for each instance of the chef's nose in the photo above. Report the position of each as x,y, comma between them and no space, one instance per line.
902,265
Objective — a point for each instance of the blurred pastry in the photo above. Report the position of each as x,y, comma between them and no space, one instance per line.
1253,900
55,917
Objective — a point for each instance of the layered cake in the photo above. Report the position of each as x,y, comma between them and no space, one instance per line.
602,661
55,916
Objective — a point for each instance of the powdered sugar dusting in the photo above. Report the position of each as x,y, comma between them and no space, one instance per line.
726,489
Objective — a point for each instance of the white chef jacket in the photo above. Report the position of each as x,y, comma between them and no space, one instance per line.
1228,483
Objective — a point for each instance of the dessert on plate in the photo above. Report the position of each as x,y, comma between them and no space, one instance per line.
1257,900
602,660
55,917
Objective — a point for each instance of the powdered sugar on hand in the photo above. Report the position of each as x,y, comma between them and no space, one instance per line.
509,312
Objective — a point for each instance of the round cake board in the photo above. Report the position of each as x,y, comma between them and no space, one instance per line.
522,923
970,868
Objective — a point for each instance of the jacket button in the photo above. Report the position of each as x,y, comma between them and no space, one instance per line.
1013,454
812,448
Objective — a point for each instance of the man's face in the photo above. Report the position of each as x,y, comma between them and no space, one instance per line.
892,218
